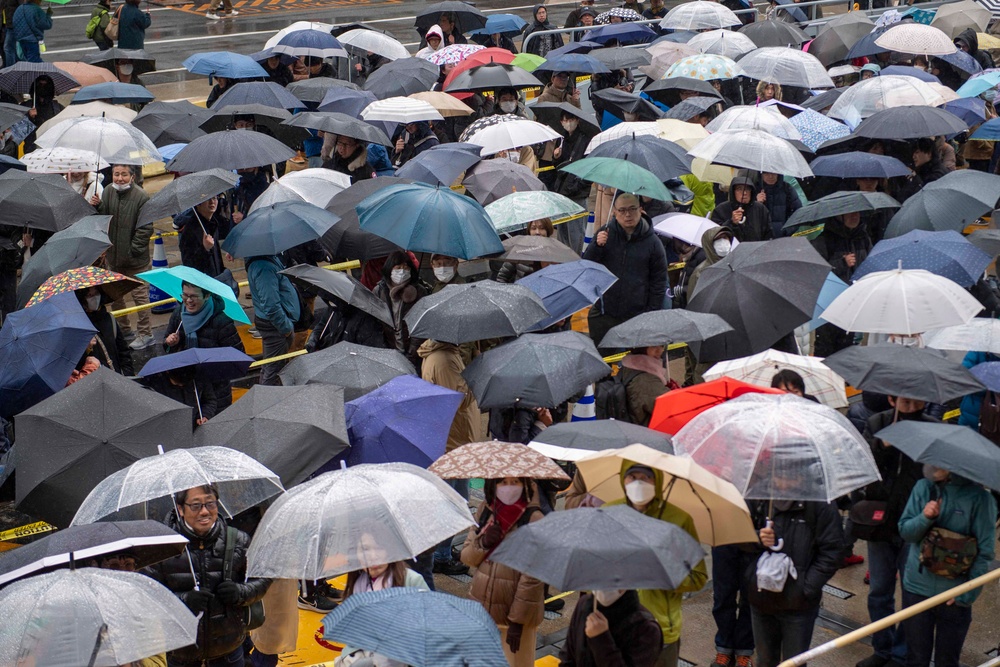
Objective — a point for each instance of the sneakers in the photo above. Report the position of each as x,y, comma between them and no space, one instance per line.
873,661
212,16
555,605
234,12
450,567
317,602
744,661
722,660
141,342
254,333
868,578
853,559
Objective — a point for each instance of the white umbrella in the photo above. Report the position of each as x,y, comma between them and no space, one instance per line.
114,140
905,302
884,92
752,149
316,186
684,226
374,42
767,119
94,617
511,135
727,43
400,110
622,130
820,380
699,15
365,515
786,66
90,109
946,93
916,38
295,27
981,334
62,161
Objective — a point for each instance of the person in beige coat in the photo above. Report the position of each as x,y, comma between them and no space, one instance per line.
514,600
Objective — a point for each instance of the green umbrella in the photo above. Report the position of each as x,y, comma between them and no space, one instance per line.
619,174
527,61
513,212
169,280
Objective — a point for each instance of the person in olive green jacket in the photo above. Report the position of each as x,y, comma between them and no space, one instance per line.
129,251
644,492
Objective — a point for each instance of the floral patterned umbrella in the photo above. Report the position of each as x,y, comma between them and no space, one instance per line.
706,67
495,460
816,128
115,285
626,15
452,54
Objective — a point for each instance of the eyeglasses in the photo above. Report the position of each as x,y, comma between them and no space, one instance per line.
345,144
211,506
627,210
191,297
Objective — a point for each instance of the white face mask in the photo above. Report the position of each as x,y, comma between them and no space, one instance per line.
509,494
126,69
639,492
570,125
94,302
399,276
722,246
121,187
508,107
630,117
609,597
444,273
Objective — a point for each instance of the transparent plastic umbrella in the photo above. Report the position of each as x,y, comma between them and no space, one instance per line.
980,334
373,42
767,119
242,483
787,66
346,520
513,212
883,92
316,186
99,618
753,149
114,140
699,15
89,110
723,43
821,381
780,447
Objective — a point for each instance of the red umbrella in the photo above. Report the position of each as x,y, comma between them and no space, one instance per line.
676,408
484,57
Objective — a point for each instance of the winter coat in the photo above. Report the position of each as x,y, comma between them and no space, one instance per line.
427,50
112,350
704,195
813,539
644,383
756,225
274,296
443,365
566,184
398,337
931,171
551,94
104,11
972,404
633,639
30,23
541,45
511,272
193,253
508,595
129,242
132,26
251,186
967,508
356,165
281,75
782,201
639,263
221,629
666,605
219,331
711,257
837,240
202,402
418,142
341,322
969,38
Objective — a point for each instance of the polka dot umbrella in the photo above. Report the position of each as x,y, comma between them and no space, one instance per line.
705,67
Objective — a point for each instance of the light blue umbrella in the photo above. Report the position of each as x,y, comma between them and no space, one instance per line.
114,92
504,24
273,229
169,281
170,151
225,64
988,131
832,288
567,288
424,218
978,85
816,128
418,627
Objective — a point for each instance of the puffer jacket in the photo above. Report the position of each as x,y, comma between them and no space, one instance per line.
443,365
633,638
756,225
782,201
836,241
639,263
334,323
356,165
644,383
30,23
543,44
129,243
221,629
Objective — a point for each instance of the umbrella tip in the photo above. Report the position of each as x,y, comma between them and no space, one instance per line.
159,450
900,265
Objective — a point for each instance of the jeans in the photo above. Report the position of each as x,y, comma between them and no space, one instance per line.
9,48
443,551
939,631
885,561
275,344
783,635
30,51
234,659
730,607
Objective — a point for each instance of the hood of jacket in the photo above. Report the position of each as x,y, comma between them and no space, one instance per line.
430,346
969,39
836,227
534,15
657,484
435,30
707,241
742,180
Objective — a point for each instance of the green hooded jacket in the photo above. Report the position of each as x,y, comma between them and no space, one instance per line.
129,242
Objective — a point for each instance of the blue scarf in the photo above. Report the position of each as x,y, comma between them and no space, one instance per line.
194,321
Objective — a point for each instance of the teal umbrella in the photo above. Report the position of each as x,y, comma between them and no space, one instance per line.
169,281
619,174
513,212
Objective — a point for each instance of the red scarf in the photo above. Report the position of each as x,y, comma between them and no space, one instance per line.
508,515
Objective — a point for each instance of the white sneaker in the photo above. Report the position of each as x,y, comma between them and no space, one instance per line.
142,342
212,16
234,12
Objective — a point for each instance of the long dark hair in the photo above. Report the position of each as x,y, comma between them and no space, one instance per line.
397,570
399,257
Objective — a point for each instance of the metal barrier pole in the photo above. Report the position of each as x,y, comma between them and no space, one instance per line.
893,619
995,662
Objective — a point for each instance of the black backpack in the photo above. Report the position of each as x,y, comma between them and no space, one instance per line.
611,397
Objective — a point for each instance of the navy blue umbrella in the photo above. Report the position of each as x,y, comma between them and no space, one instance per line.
406,420
866,46
346,101
857,164
418,627
212,364
988,373
573,62
39,348
962,61
114,92
310,44
274,229
947,254
573,47
440,165
567,288
623,33
970,109
906,70
8,162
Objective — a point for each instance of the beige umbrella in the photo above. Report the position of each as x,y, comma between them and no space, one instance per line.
719,512
87,75
955,17
446,105
496,460
664,55
91,109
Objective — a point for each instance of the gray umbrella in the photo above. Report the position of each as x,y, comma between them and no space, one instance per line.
490,180
182,193
78,245
837,37
621,58
402,77
537,249
168,123
475,311
774,33
919,373
40,201
824,100
691,107
339,124
266,93
839,203
951,202
910,122
232,149
221,117
599,434
290,430
663,327
342,286
346,239
357,368
535,370
957,449
314,90
987,240
668,91
70,442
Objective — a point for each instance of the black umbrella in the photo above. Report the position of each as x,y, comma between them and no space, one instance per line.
824,99
78,245
475,311
493,77
232,149
957,449
185,192
402,77
342,286
466,16
222,117
40,201
290,430
910,122
535,370
775,33
987,240
600,549
148,542
550,113
264,93
600,434
339,124
346,239
441,164
357,368
763,290
71,441
620,102
664,158
668,91
168,123
949,203
141,61
314,90
912,372
837,37
838,203
621,58
663,327
11,114
695,106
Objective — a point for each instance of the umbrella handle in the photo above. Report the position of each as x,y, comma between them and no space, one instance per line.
780,544
197,400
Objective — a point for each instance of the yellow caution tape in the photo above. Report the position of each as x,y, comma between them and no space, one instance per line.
26,531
